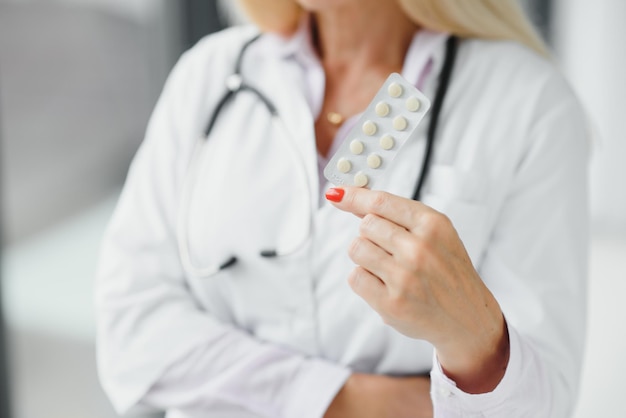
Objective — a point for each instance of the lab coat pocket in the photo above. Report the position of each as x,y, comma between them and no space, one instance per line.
462,196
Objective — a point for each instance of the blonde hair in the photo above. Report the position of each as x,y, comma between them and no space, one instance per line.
486,19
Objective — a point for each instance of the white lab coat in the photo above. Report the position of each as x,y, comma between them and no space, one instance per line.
278,337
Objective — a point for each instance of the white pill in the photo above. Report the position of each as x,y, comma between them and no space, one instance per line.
413,104
369,128
395,90
360,180
374,161
357,147
382,109
387,142
344,165
400,123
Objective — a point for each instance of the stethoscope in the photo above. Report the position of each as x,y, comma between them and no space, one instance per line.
235,84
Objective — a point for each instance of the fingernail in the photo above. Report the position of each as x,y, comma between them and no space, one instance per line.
335,195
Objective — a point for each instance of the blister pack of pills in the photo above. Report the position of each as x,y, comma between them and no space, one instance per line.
379,134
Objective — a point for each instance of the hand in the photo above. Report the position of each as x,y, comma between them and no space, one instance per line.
415,272
374,396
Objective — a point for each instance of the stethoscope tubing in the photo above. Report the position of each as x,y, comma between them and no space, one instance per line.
235,84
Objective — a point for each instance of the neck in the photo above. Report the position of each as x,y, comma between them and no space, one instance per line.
364,33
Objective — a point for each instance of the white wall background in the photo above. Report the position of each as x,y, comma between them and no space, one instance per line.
589,40
590,43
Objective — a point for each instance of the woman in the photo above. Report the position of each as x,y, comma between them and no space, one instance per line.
480,283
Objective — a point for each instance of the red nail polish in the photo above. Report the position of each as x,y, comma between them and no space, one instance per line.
335,195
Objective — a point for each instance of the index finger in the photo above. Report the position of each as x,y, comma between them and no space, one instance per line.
361,202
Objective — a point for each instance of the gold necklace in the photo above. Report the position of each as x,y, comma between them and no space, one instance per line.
335,118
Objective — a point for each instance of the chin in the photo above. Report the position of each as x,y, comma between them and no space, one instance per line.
319,5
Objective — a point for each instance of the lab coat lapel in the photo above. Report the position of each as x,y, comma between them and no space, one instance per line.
282,77
287,80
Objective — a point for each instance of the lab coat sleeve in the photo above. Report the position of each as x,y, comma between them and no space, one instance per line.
155,347
536,266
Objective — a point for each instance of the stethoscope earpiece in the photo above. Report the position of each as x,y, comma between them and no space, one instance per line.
228,263
269,253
